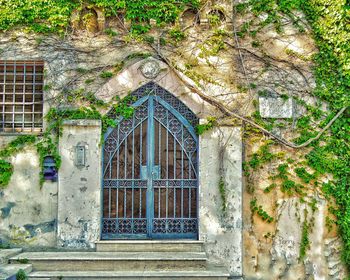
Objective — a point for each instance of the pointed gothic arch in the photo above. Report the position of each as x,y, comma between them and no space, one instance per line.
150,170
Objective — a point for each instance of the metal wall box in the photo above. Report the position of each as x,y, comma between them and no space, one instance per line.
80,155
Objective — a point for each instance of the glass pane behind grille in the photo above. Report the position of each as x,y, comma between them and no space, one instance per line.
21,96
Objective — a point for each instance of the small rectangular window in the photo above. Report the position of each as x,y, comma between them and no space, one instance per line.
21,96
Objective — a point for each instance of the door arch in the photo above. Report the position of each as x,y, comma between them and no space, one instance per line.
150,170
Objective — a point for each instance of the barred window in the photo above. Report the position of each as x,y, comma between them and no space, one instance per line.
21,96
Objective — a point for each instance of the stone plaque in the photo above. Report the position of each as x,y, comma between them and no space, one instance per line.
276,107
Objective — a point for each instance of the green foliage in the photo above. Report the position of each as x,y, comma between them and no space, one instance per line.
267,124
256,44
222,190
304,175
305,241
47,145
303,122
23,261
331,154
270,188
321,160
89,81
4,245
106,75
54,15
177,34
263,155
110,32
290,187
340,191
201,128
37,15
6,171
255,208
138,55
213,19
282,172
148,39
21,275
123,107
17,145
213,45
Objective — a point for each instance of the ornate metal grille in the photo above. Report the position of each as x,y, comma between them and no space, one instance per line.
150,186
21,96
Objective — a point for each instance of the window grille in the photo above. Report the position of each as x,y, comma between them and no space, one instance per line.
21,96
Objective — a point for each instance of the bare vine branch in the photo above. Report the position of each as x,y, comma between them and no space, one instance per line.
228,112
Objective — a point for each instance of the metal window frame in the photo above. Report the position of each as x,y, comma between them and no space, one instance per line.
22,114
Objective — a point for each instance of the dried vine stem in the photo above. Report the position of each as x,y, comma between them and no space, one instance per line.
228,112
265,58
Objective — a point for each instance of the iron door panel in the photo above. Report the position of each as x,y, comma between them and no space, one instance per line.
150,186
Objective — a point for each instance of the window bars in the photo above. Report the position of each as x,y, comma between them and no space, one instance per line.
21,96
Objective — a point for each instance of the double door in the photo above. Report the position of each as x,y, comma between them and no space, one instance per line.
150,186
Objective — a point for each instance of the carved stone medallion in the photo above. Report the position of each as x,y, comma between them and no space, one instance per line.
150,69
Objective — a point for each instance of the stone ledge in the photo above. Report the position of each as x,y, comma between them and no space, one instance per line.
83,122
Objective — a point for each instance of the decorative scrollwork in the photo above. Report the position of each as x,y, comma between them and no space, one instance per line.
141,112
190,225
140,226
159,226
110,144
129,136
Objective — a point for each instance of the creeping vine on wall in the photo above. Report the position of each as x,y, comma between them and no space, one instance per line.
330,153
47,144
54,16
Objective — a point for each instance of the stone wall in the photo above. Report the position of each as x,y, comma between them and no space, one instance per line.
234,76
221,229
79,192
28,212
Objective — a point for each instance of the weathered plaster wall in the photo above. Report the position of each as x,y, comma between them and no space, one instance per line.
28,212
79,186
272,250
221,230
269,251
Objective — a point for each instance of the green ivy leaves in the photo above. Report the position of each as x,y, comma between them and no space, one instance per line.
6,170
44,16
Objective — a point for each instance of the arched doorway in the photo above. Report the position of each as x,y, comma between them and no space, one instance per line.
150,170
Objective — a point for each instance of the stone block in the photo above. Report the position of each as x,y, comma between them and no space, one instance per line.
276,107
221,230
78,223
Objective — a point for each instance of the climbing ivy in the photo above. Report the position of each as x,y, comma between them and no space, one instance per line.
6,170
201,128
255,208
47,144
15,146
21,275
305,241
331,153
222,190
54,15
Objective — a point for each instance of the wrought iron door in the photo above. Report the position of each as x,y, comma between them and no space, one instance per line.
150,170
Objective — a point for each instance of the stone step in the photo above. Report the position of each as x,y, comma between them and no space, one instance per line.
149,246
212,274
104,261
9,271
6,254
